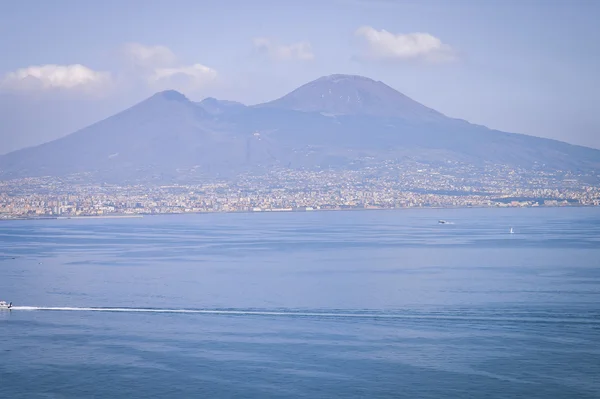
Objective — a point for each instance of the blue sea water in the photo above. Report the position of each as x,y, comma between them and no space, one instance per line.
314,305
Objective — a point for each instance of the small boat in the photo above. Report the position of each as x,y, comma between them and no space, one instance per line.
512,231
442,222
5,306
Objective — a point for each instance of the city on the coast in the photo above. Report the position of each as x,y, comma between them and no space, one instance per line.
387,186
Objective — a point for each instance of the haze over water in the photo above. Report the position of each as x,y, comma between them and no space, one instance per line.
327,304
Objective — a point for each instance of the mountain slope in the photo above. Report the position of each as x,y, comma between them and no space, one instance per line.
353,95
332,121
164,132
370,114
215,107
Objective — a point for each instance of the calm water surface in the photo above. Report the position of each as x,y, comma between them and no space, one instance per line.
329,304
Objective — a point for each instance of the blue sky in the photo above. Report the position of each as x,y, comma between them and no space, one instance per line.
519,66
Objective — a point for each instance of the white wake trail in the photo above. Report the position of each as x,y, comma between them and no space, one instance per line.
201,311
449,315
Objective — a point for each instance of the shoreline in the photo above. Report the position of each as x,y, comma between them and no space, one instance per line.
142,215
74,217
99,217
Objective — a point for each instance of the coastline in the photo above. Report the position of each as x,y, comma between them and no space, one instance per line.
72,217
262,211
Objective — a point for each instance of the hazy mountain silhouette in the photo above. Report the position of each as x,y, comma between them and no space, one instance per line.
354,95
215,107
332,121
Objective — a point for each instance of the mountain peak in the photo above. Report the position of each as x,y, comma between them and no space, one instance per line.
214,106
171,95
340,94
209,100
161,101
338,77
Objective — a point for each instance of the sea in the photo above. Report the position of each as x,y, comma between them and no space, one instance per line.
340,304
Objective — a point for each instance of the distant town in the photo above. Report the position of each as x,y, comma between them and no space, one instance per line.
385,186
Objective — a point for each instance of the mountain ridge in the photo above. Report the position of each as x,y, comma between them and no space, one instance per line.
333,121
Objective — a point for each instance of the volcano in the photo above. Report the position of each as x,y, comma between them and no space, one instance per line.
333,121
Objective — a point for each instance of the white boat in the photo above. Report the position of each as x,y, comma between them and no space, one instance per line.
512,231
5,306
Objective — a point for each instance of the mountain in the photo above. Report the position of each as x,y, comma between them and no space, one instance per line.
157,135
215,107
354,95
334,121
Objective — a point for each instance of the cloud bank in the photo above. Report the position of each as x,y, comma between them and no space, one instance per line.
301,51
159,68
384,45
154,67
141,56
190,77
51,77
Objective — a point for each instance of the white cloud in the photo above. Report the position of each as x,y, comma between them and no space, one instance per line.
190,77
141,56
158,68
47,77
149,67
301,51
384,45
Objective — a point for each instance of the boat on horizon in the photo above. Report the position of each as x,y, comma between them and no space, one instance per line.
5,306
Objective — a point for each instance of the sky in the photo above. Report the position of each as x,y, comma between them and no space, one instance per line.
528,66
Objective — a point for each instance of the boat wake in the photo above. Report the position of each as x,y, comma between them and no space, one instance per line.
446,315
207,311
